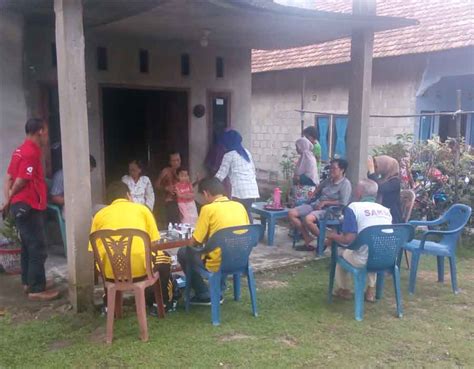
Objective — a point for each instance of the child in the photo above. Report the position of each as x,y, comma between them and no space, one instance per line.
185,197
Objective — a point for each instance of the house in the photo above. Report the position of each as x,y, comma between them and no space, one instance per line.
133,78
416,70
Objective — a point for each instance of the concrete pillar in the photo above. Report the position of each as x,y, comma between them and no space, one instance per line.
13,113
75,144
360,89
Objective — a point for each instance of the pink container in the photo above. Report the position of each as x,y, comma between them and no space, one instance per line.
277,198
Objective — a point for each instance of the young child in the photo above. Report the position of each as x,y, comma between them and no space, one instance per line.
185,197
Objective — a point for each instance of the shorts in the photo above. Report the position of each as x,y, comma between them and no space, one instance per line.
306,209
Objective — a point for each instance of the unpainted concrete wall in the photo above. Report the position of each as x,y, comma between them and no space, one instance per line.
276,95
12,99
164,73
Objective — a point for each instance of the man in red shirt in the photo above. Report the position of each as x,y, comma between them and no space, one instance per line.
25,196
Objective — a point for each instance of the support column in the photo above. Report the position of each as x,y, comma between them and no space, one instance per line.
360,88
75,149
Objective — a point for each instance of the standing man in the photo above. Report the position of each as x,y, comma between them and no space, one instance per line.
25,196
166,191
312,135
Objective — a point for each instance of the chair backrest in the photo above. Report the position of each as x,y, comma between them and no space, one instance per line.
236,244
384,243
118,245
456,217
407,200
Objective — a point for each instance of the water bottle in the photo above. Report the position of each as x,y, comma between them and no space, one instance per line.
277,198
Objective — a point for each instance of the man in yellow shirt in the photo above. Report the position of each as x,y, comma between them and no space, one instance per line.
123,213
218,213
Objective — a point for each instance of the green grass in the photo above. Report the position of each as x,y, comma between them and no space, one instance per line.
296,328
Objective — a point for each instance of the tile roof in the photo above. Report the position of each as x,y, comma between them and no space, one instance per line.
444,24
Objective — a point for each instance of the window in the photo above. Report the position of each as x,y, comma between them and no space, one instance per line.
143,60
426,126
332,135
102,58
219,67
185,65
54,60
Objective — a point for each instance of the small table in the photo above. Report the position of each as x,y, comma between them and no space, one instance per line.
270,217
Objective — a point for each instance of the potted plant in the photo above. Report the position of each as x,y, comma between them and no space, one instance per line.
10,247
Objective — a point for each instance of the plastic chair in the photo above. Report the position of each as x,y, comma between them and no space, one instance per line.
407,201
454,220
61,223
384,243
118,246
236,244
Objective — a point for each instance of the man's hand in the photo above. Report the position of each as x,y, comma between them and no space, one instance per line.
320,205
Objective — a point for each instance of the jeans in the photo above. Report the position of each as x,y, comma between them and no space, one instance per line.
30,225
189,255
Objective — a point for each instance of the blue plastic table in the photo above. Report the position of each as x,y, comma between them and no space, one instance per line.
270,217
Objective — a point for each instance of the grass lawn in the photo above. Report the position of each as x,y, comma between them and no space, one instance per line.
296,328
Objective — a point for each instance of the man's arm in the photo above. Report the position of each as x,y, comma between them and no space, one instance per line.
17,186
58,200
325,203
349,229
342,238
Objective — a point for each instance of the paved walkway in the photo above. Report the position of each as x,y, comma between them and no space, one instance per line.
262,258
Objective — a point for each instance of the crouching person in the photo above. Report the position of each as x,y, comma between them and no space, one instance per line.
360,214
218,213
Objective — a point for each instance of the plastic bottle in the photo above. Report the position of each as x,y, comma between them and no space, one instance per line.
277,198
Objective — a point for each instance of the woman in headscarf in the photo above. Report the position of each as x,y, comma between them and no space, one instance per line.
306,170
385,170
237,164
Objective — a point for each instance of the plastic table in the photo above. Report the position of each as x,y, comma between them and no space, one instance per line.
268,217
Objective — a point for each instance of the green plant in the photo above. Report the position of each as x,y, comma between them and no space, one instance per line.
397,150
287,166
10,232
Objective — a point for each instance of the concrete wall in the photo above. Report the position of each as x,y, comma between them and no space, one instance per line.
164,73
275,96
12,99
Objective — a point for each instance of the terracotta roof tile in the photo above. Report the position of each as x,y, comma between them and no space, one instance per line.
444,24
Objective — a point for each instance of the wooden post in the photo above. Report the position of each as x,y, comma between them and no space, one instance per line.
360,89
75,149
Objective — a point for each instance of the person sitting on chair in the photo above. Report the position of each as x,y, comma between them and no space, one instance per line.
122,212
218,213
358,215
336,190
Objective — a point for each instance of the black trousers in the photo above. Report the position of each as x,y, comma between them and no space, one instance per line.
247,203
30,225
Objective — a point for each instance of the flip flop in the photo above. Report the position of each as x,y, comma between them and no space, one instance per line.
305,248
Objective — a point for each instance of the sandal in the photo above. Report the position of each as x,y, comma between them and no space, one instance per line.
305,248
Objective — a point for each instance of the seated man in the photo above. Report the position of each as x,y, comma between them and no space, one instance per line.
360,214
336,190
56,191
218,213
123,213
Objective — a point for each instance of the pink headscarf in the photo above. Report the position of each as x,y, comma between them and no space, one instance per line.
307,162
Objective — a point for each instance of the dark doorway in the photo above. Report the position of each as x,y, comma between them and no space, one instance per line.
447,127
219,114
144,125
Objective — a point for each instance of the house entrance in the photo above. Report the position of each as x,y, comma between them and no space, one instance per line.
144,125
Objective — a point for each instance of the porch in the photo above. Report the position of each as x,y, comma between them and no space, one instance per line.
190,39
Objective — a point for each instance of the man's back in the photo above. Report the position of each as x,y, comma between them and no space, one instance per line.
123,213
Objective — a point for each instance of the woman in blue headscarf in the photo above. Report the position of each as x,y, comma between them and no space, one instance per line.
237,164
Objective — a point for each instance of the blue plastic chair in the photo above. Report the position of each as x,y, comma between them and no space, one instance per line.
384,243
454,220
236,244
56,210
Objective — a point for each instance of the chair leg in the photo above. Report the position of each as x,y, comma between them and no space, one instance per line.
187,289
215,291
252,290
141,313
379,285
110,314
452,267
159,299
118,305
415,258
332,273
236,287
359,287
440,262
321,238
398,292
